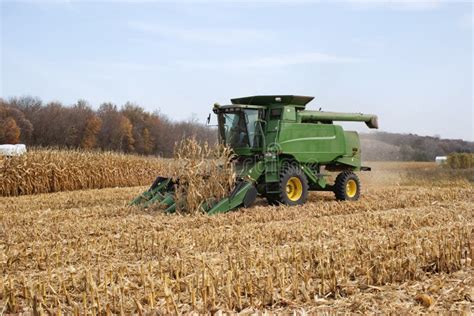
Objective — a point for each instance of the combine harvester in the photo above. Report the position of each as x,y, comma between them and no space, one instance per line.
281,150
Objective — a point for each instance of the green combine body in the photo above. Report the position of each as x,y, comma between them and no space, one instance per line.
282,151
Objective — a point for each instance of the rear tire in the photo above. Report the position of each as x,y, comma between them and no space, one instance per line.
347,186
293,187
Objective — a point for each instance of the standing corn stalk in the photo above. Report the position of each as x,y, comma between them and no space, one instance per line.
51,170
205,174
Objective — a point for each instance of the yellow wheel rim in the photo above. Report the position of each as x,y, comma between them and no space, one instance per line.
351,188
294,189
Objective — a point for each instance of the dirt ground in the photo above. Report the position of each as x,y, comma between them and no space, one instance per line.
405,247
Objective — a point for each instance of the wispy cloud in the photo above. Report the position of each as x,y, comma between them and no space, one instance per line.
389,4
405,5
218,36
119,66
271,61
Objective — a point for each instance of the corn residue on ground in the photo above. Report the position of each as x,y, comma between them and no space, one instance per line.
403,248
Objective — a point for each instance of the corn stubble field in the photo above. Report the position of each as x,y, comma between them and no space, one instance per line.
406,246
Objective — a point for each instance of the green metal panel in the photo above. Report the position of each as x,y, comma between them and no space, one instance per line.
229,203
328,117
251,170
272,130
272,169
271,133
319,181
352,143
289,114
307,142
245,151
352,157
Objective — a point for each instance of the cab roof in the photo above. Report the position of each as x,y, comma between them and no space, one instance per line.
273,100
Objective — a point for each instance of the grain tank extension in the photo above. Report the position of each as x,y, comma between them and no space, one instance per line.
282,152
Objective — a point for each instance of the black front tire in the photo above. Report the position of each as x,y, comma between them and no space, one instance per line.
347,186
292,187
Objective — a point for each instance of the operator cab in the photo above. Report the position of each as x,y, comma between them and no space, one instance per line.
243,124
240,126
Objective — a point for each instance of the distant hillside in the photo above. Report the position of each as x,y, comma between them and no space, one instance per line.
392,146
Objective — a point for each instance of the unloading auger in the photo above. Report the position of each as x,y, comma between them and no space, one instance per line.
281,151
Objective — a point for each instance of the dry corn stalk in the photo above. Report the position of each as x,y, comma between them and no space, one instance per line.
205,174
83,252
50,170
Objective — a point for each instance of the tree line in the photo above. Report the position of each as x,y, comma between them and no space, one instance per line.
131,129
410,147
128,128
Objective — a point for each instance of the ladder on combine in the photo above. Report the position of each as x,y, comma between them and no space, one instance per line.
272,171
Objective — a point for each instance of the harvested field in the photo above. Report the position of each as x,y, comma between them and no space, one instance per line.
405,247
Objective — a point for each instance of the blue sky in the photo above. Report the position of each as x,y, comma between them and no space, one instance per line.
409,62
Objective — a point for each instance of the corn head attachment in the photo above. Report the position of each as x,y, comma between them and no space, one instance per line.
161,194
